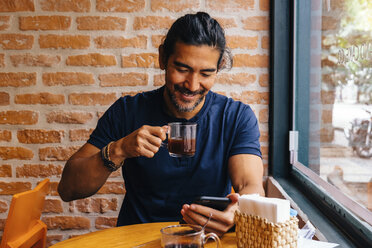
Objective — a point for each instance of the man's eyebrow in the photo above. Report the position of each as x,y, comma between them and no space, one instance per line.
177,63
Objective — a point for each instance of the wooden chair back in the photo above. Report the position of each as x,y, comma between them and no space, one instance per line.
23,227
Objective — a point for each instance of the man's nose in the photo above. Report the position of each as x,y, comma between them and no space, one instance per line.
192,83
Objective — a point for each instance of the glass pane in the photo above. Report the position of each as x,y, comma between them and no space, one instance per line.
336,88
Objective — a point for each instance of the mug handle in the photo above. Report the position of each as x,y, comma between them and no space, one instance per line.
165,142
212,236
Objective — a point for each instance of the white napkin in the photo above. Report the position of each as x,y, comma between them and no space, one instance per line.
273,209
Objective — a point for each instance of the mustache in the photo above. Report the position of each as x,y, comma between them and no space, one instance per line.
185,91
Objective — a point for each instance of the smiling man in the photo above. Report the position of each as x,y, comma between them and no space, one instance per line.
130,133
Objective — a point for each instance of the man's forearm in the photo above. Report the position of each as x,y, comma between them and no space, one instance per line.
82,177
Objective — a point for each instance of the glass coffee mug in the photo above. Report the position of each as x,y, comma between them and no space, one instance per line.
181,139
186,236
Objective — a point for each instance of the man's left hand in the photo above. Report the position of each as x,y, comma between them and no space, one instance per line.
220,222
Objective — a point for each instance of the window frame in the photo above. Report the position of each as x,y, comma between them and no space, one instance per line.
334,221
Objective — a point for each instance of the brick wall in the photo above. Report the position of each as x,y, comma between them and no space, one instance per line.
63,62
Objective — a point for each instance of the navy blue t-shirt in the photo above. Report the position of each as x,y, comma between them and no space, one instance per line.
156,188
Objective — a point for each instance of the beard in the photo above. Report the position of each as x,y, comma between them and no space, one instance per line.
176,102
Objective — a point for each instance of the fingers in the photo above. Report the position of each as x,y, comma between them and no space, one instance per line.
145,141
220,222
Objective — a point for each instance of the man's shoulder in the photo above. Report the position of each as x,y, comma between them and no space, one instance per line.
229,103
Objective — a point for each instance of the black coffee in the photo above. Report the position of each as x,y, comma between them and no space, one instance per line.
182,146
183,246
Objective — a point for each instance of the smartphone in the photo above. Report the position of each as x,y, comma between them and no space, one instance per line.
219,203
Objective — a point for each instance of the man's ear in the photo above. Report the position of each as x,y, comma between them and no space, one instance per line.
162,59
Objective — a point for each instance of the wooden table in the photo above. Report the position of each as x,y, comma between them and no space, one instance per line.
141,235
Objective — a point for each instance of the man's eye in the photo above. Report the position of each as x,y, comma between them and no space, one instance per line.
206,75
182,70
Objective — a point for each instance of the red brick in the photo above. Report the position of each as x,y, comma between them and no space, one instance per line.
2,224
53,239
264,5
40,136
53,189
39,170
53,206
44,23
265,152
174,5
252,97
263,116
4,22
69,117
244,42
237,78
327,116
20,153
326,135
159,80
101,23
16,5
144,60
57,153
256,23
246,60
40,98
105,222
120,42
4,98
80,134
152,22
264,80
329,23
3,207
227,22
157,40
17,79
5,135
35,60
120,5
231,5
2,60
265,42
5,170
94,205
67,222
112,188
21,117
264,136
64,41
327,97
91,99
68,78
123,79
12,188
325,62
65,5
92,59
16,41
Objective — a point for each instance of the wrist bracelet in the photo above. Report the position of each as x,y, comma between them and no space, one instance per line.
105,156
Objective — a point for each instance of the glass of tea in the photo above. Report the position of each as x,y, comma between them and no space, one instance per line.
181,139
186,236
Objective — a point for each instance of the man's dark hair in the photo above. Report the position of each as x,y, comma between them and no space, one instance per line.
198,29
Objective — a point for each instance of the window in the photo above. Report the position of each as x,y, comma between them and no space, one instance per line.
328,63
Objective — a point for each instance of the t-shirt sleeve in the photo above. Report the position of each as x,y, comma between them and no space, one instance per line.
247,135
109,126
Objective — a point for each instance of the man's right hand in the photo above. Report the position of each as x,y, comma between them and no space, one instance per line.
144,141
